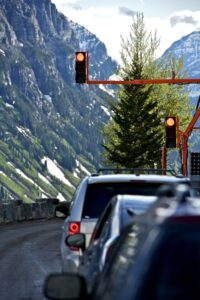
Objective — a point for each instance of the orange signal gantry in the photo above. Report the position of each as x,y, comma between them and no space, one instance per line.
181,136
171,80
184,137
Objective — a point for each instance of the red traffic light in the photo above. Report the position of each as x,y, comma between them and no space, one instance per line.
171,131
80,56
80,67
169,121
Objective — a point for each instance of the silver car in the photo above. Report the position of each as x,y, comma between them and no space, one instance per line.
91,198
119,212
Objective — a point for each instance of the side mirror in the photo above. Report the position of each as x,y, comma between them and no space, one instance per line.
59,214
66,286
55,201
76,240
62,210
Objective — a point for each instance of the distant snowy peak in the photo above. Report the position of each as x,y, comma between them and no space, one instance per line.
187,43
101,66
188,47
87,40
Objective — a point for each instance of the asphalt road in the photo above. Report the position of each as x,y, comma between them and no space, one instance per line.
29,251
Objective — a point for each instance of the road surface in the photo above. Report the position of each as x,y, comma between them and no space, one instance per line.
28,252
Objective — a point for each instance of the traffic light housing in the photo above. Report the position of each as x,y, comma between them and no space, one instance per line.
195,163
171,131
80,67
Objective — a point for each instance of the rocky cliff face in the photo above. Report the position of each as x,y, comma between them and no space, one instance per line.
188,47
43,113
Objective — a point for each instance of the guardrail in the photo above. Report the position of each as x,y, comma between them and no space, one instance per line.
17,210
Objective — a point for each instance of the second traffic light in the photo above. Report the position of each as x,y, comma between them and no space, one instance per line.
171,131
80,67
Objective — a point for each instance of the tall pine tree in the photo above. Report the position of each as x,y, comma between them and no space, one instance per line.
134,136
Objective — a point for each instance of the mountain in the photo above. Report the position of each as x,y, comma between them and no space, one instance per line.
188,47
49,126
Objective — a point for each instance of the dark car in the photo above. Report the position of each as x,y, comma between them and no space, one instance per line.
155,258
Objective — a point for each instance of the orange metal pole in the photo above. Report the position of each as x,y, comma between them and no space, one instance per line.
87,67
163,150
184,140
184,155
147,81
172,80
192,122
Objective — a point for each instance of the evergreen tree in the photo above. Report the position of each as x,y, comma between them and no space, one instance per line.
172,99
135,134
135,137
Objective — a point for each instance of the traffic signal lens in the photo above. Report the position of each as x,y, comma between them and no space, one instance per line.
80,67
171,132
80,56
169,122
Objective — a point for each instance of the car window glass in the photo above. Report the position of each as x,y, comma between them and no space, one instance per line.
123,258
105,230
131,210
98,195
75,195
102,223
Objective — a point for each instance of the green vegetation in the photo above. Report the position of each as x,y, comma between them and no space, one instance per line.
135,134
43,113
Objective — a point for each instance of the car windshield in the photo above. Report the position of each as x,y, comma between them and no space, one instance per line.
98,195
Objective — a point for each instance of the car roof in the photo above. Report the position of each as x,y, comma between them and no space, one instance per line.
135,177
167,209
127,200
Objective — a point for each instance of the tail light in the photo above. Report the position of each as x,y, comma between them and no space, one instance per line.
73,228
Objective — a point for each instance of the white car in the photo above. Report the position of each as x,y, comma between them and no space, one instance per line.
91,198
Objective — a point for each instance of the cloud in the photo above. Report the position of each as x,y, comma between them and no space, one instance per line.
174,27
73,6
126,11
183,19
110,23
64,4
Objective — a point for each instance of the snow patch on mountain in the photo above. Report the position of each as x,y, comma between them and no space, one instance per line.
54,170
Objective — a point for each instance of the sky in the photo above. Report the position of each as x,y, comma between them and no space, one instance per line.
110,20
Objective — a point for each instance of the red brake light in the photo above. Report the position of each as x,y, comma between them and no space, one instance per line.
74,227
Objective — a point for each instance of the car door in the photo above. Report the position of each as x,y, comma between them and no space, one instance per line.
89,264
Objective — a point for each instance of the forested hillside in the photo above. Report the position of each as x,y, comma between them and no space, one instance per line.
46,120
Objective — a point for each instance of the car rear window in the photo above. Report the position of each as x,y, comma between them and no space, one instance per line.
134,208
98,195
